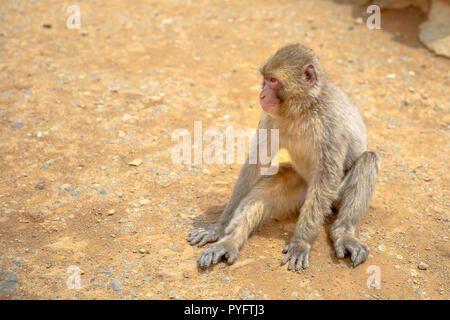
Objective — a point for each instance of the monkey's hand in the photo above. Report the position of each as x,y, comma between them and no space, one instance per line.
201,236
358,251
297,253
213,254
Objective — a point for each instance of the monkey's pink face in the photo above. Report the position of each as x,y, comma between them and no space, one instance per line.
268,98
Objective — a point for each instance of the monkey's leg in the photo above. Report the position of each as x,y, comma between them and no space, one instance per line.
353,201
248,177
283,192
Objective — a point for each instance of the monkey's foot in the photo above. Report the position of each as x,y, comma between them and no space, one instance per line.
357,250
212,254
297,253
201,236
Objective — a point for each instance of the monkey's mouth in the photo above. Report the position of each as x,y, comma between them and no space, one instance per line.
269,108
270,104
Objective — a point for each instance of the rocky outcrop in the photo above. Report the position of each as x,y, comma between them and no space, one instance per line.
435,33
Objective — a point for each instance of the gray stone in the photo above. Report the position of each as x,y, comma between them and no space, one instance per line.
115,285
17,125
107,271
9,282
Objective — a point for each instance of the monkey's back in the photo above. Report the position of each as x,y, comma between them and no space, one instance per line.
348,115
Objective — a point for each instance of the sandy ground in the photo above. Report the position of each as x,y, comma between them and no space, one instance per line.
77,106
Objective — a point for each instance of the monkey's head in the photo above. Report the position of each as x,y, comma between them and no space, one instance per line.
292,77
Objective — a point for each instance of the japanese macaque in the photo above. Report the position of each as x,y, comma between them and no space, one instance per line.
330,168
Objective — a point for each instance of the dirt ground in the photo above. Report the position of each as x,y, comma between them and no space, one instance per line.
78,105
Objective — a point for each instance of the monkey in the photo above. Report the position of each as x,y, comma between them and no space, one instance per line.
330,170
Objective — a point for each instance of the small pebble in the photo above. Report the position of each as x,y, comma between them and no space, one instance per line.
422,266
136,162
17,125
115,285
8,283
358,20
40,185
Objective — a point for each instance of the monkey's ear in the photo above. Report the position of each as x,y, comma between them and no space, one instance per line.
310,74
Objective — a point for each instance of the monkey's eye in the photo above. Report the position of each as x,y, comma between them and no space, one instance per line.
271,79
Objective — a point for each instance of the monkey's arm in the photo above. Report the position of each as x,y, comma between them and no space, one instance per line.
322,191
250,172
248,177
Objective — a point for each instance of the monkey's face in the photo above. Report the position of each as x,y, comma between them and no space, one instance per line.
289,87
269,98
289,78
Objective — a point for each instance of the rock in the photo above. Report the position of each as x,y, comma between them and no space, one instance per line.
144,201
107,271
8,282
40,185
422,266
111,212
358,20
147,277
156,99
115,285
127,117
143,251
136,162
435,33
123,220
17,125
